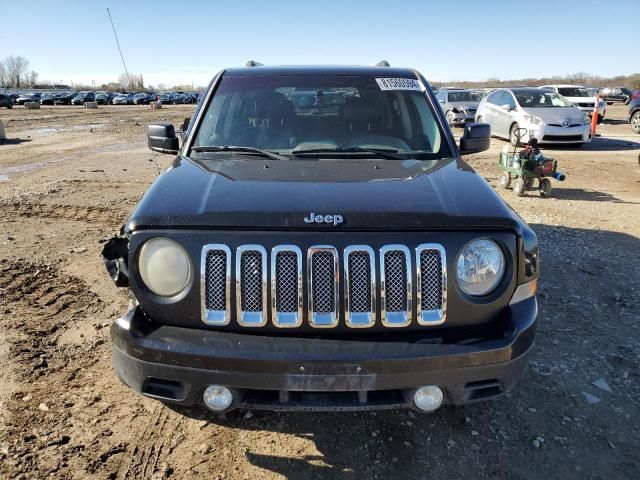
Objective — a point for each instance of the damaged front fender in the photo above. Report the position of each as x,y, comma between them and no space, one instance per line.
115,256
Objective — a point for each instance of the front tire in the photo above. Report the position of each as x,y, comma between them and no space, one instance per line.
635,122
545,187
513,138
505,180
519,187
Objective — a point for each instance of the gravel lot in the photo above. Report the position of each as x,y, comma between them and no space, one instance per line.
68,179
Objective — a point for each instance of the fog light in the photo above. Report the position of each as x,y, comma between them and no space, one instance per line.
428,398
217,397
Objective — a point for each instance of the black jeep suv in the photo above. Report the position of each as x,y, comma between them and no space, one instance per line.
318,243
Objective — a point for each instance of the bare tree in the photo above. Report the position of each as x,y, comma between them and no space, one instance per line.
3,75
16,67
131,82
31,78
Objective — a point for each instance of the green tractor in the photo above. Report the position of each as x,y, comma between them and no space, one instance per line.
527,166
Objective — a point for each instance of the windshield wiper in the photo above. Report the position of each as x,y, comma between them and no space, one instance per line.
239,149
379,152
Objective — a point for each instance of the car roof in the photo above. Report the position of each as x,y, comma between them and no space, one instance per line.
321,70
524,89
563,85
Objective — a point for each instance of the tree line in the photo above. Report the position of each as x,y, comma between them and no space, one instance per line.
581,78
15,73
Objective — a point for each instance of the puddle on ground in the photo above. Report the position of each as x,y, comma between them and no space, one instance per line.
8,172
75,128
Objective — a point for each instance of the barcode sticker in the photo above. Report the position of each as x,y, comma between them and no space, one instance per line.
400,84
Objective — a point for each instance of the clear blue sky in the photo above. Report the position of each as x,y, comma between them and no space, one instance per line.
171,42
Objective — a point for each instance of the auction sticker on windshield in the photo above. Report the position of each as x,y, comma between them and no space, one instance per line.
399,84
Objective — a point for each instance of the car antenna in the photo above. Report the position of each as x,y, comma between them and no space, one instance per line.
382,63
253,63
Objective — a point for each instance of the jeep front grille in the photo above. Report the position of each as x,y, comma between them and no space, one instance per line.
323,286
395,272
432,282
251,285
287,286
215,276
360,286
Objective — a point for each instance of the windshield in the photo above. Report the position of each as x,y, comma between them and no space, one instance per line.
464,97
285,113
541,99
574,92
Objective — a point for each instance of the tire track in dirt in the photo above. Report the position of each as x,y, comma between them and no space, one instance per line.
90,214
38,303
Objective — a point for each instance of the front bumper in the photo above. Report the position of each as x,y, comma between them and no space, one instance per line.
566,135
175,364
462,118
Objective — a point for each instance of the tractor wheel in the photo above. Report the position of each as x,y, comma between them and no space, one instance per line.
505,179
513,138
519,187
545,187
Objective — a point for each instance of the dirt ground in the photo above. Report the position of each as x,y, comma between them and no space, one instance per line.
68,179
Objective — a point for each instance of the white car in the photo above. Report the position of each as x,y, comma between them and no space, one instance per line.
546,116
580,97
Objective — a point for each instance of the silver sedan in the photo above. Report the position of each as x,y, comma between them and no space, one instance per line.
545,115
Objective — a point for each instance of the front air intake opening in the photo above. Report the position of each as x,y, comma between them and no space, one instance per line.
163,389
482,390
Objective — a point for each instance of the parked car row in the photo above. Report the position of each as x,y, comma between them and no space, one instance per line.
102,98
551,113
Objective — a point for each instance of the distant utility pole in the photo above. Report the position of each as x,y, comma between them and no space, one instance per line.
119,49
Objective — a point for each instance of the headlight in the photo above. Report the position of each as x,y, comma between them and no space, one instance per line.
164,266
480,267
533,119
586,120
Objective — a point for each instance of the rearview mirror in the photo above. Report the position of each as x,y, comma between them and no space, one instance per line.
162,138
476,138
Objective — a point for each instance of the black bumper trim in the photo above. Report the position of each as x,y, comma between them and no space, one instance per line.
143,350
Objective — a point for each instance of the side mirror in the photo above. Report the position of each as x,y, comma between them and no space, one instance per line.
476,138
506,107
162,138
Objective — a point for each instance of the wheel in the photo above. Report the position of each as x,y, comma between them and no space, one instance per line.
9,106
609,103
545,187
635,122
505,179
519,187
450,118
515,141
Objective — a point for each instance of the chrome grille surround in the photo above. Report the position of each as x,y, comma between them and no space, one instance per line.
395,285
251,285
360,286
431,268
287,285
286,298
323,280
212,264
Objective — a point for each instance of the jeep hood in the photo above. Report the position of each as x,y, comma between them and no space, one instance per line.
252,193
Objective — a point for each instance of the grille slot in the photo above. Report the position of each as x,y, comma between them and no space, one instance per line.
395,271
214,284
360,303
432,284
251,285
286,286
323,286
